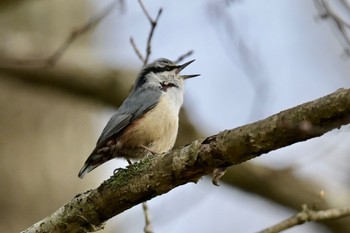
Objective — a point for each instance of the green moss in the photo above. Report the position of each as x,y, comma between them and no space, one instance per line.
123,176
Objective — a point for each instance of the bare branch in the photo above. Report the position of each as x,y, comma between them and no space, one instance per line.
148,225
150,36
182,57
158,175
137,51
92,23
53,59
346,4
318,200
145,11
153,23
254,178
326,12
308,215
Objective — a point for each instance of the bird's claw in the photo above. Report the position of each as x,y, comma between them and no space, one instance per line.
117,170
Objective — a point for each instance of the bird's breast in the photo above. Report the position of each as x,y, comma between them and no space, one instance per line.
157,129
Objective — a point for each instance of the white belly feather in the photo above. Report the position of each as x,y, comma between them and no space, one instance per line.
157,130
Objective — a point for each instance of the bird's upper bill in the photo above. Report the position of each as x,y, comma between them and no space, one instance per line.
181,67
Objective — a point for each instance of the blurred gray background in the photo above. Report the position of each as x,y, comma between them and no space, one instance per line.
255,58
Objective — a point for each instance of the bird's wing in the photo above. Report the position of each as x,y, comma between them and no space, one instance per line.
135,106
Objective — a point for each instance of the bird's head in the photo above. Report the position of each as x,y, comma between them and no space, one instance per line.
163,71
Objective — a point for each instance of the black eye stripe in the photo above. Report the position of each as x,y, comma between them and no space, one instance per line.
155,70
158,69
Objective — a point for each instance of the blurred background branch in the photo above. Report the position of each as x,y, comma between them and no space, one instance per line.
49,118
281,186
339,21
53,59
308,215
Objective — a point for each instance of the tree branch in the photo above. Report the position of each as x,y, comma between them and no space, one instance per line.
183,56
153,26
158,175
56,55
271,183
110,87
136,49
153,23
308,215
148,225
97,83
342,27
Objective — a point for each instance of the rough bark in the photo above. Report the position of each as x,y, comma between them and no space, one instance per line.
152,177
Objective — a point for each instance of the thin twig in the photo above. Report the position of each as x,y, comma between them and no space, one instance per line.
137,51
182,57
145,11
53,59
318,200
148,225
346,4
150,36
308,215
153,23
93,22
326,12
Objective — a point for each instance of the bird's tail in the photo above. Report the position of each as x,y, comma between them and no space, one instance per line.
92,162
85,169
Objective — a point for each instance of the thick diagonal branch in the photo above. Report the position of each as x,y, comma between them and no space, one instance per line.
156,176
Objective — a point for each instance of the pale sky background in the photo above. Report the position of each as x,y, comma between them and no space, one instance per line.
280,47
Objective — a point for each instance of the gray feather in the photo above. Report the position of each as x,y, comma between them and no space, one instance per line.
139,102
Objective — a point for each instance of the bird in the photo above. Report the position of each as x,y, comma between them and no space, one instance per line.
147,120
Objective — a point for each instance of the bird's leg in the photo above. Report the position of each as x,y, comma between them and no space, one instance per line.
149,150
153,153
129,161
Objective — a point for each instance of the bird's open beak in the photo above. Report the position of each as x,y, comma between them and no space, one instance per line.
183,66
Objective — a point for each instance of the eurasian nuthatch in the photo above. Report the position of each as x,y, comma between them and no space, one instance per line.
148,118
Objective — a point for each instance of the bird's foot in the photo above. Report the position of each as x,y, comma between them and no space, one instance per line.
118,170
149,150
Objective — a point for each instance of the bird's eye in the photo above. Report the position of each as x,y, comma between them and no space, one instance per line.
169,68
